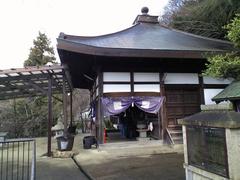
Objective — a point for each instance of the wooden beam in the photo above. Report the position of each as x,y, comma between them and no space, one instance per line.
201,89
13,96
31,69
91,104
40,77
71,110
132,82
64,107
35,86
215,86
20,88
50,115
68,76
99,108
30,81
163,109
21,94
24,89
56,80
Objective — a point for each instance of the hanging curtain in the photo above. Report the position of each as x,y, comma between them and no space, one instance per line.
113,106
149,104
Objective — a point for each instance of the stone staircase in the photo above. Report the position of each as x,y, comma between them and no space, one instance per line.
175,134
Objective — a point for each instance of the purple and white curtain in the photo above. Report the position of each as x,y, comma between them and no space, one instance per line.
116,105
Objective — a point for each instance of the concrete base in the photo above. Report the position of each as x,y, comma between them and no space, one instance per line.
143,139
194,173
132,144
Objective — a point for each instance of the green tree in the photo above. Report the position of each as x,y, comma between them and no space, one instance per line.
228,65
27,117
41,53
202,17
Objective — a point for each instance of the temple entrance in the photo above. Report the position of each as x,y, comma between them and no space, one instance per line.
131,125
131,117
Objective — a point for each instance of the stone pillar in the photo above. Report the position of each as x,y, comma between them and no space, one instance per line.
233,152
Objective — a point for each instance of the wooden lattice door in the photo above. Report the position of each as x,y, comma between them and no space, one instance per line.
181,102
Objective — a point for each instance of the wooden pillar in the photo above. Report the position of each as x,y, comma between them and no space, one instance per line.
159,113
201,89
132,83
93,124
64,106
163,109
159,125
99,108
71,112
50,115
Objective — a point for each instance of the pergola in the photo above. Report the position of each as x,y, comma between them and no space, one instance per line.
38,81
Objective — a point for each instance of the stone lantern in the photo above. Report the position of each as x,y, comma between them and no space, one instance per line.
3,136
58,129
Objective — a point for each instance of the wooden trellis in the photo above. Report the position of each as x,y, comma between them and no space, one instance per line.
38,81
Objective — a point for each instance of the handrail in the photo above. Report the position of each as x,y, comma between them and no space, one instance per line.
170,137
18,140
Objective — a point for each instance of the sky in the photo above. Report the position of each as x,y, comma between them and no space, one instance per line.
21,20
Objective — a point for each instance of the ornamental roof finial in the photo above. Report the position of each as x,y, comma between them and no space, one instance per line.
144,10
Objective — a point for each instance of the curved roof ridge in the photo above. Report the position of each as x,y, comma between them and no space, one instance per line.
103,35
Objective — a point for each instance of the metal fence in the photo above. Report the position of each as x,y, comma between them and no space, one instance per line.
18,159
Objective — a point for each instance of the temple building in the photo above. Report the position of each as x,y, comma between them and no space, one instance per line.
145,75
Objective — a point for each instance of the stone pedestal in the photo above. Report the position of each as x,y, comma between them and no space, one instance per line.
142,134
214,118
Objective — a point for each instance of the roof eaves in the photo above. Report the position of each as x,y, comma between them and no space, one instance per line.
64,44
231,92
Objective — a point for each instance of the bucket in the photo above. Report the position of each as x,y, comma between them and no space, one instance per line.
65,144
88,141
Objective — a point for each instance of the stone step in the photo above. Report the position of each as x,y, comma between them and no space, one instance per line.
131,144
175,131
174,126
177,140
